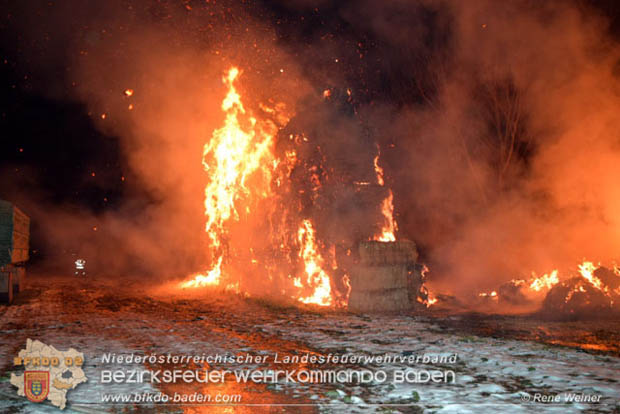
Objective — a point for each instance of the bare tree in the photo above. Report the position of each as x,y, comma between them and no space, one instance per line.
505,140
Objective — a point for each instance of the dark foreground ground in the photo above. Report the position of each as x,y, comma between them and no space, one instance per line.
501,363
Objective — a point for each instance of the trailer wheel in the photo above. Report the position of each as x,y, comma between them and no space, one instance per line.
6,286
18,279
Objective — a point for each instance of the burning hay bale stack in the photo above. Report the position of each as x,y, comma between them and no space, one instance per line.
380,282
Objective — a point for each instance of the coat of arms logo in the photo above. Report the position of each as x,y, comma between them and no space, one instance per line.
36,385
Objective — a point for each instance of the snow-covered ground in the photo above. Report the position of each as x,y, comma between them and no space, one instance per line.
491,374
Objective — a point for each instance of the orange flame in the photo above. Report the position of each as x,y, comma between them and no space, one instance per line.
430,297
546,281
212,277
586,269
378,171
229,158
538,285
313,266
242,148
389,227
431,300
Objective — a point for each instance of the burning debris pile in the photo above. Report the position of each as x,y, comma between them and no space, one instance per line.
274,207
595,290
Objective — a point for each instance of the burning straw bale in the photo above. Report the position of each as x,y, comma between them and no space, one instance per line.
578,297
608,278
573,298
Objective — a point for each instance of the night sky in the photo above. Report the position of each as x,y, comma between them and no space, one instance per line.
49,143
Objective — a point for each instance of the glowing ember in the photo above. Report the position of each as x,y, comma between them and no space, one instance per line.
579,288
431,300
492,295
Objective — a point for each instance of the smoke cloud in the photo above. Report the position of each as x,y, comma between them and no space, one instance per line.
496,122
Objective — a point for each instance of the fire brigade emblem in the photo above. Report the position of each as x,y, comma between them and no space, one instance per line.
36,385
48,373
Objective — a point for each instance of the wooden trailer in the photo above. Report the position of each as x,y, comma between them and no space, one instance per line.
14,241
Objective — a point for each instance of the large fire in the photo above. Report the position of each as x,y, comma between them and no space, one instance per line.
229,158
242,169
245,175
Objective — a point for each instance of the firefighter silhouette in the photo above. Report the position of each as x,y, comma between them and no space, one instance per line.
80,267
